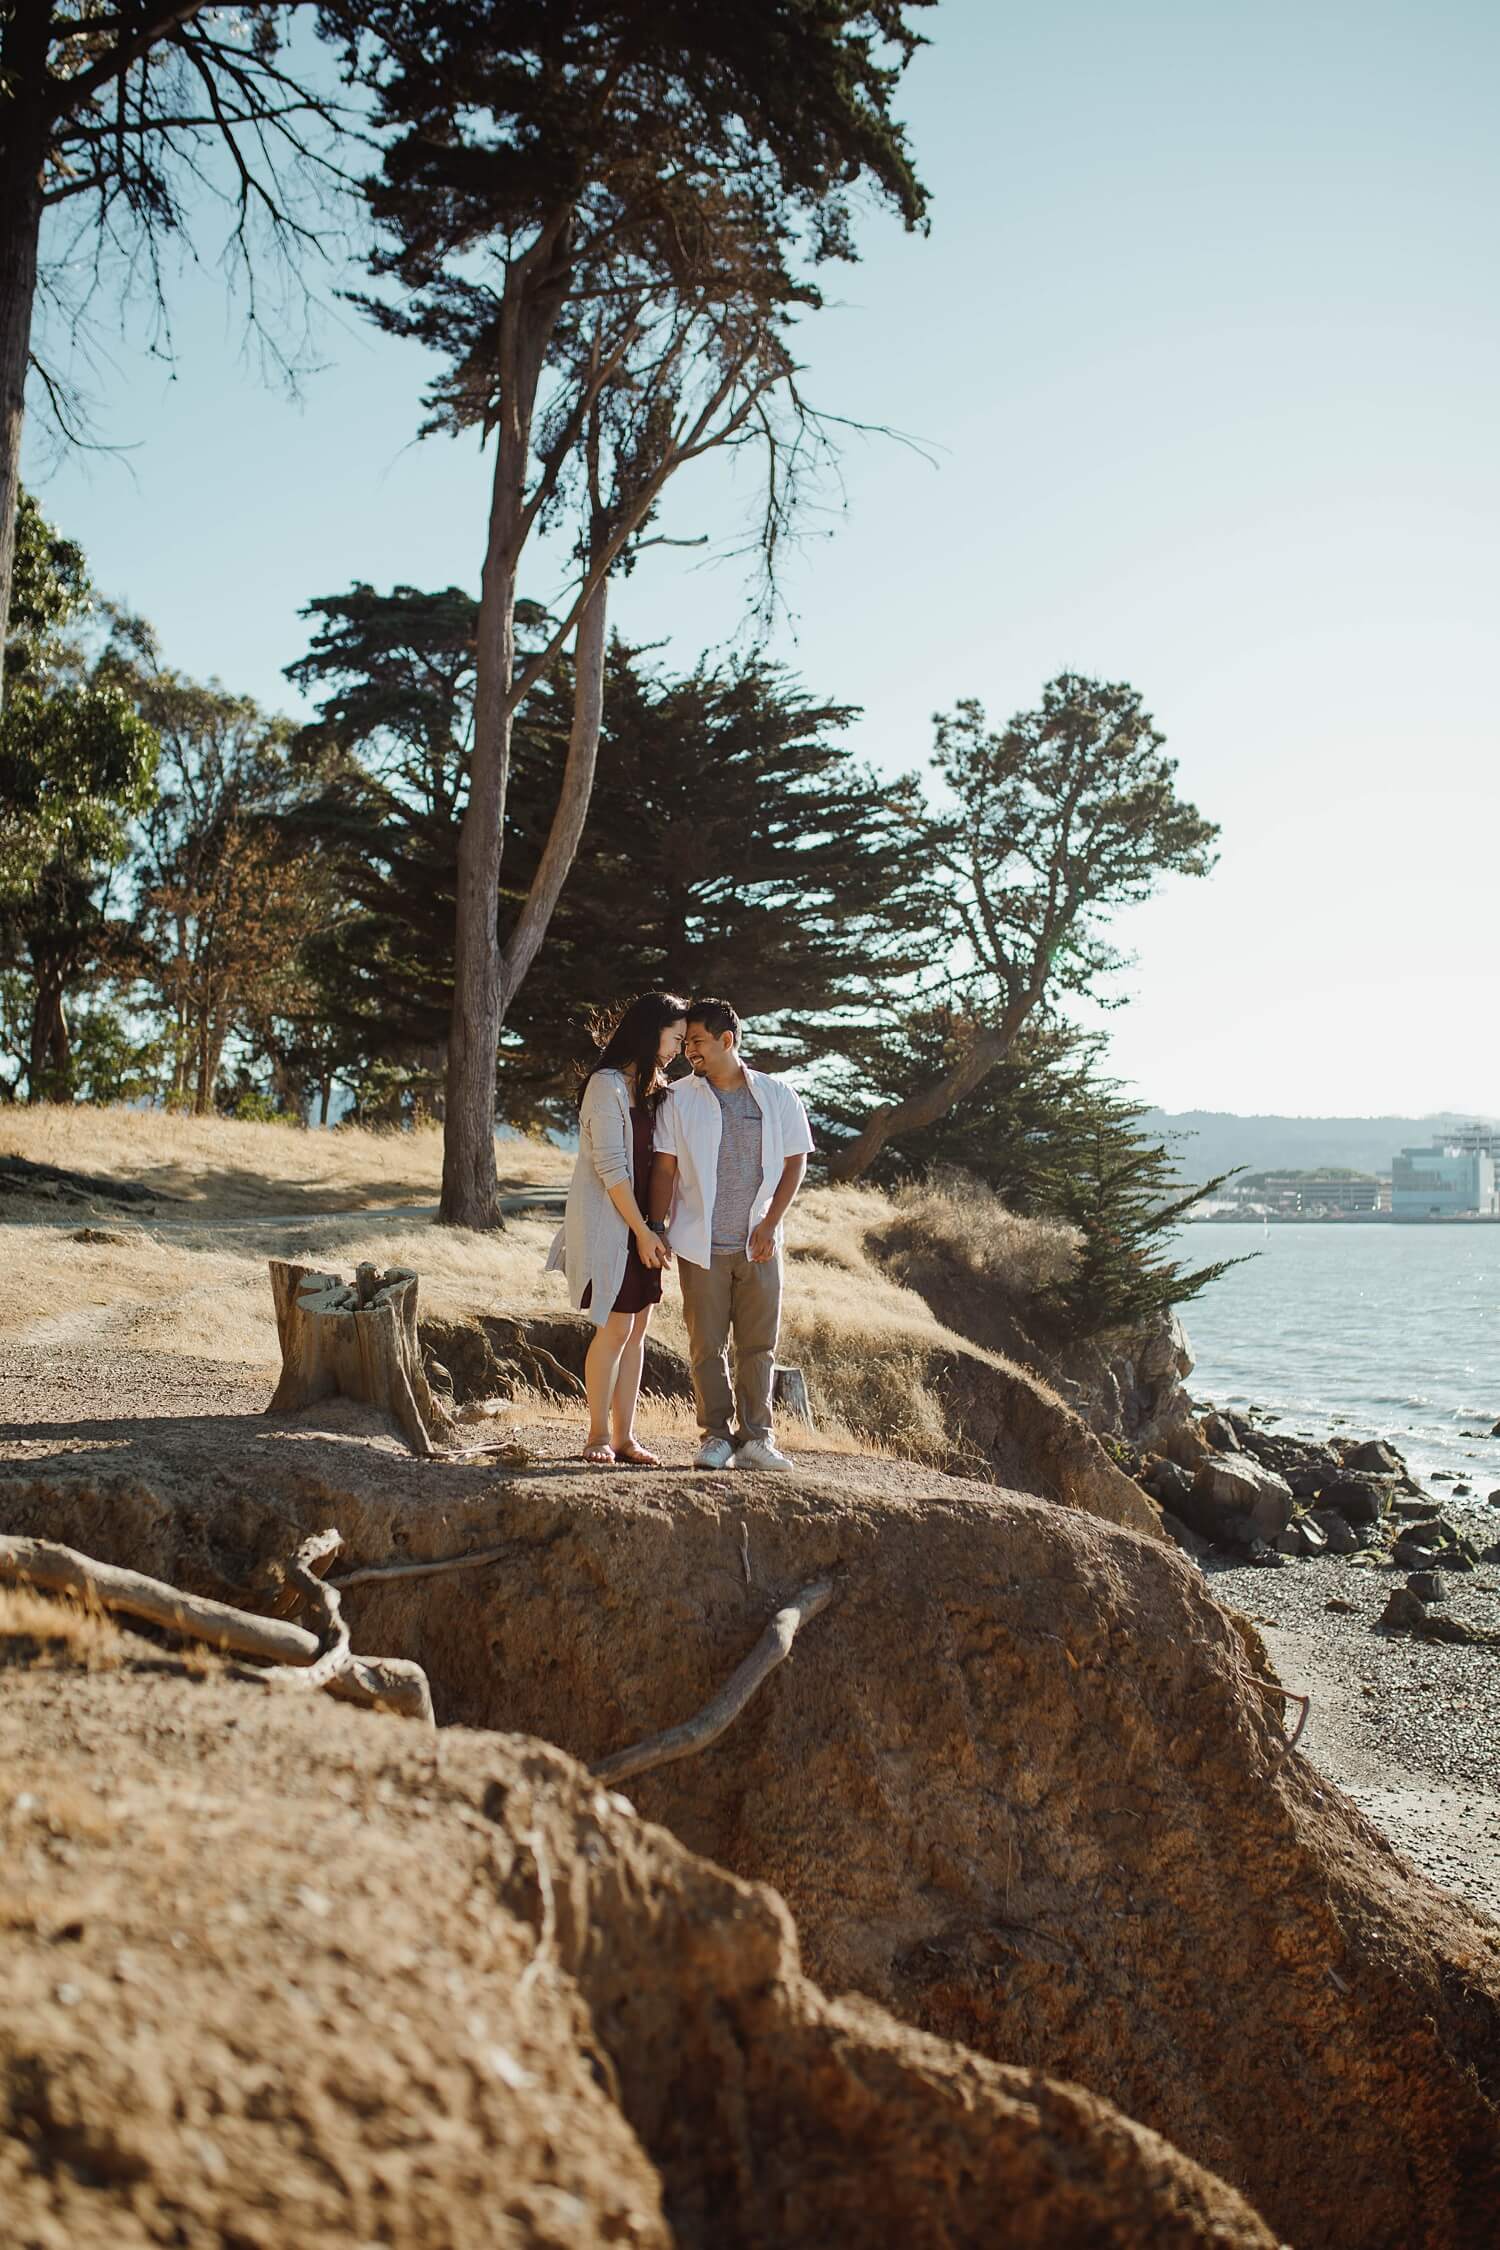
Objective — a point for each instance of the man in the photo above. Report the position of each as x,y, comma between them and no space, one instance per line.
731,1148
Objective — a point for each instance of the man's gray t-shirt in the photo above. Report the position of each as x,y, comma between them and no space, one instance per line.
738,1180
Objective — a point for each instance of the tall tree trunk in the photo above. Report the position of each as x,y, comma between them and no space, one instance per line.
23,143
50,1049
934,1099
561,847
470,1193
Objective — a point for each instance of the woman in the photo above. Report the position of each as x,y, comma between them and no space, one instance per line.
612,1259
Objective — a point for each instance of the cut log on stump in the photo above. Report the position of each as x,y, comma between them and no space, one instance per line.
355,1340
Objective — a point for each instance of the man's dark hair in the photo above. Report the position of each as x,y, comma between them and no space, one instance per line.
716,1016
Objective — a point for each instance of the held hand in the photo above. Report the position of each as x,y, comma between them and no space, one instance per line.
762,1242
653,1250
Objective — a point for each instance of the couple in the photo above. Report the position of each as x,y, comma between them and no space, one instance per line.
703,1170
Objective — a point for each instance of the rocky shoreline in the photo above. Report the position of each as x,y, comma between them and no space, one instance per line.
1227,1485
1374,1602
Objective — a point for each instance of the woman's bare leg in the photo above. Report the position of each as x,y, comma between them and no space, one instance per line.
601,1368
628,1383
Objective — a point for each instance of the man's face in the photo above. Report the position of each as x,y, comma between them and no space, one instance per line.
701,1045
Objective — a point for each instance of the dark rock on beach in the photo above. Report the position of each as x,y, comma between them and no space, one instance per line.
1336,1529
1234,1498
1357,1499
1221,1432
1375,1455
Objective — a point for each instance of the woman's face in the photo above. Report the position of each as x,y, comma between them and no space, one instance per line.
669,1046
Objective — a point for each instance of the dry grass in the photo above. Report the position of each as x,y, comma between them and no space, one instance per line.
956,1221
672,1420
863,1336
45,1631
229,1169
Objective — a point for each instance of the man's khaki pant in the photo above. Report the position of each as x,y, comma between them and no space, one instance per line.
738,1297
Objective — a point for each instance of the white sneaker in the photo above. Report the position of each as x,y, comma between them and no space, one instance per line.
760,1453
714,1453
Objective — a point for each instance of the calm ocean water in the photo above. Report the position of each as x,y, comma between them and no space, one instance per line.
1369,1331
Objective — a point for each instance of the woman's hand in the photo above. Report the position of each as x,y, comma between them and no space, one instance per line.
653,1250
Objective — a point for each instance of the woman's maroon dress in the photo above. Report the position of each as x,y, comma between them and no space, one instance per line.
641,1287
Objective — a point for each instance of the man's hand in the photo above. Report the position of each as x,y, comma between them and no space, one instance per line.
763,1242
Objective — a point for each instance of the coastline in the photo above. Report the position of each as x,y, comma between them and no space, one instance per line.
1340,1219
1404,1715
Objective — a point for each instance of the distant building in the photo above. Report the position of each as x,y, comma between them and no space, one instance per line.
1292,1192
1446,1181
1486,1137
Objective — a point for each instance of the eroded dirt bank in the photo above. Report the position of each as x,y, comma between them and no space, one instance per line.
1017,1783
279,1974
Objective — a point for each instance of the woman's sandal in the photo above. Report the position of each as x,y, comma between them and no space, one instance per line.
637,1456
599,1456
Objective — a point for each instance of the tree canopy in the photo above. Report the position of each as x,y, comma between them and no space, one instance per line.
603,218
1054,822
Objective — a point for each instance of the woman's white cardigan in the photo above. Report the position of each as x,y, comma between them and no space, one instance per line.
593,1242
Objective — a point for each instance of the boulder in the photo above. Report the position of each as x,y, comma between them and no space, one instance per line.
1238,1494
1423,1544
1376,1456
1186,1444
1357,1499
1337,1531
1167,1480
1165,1352
1302,1536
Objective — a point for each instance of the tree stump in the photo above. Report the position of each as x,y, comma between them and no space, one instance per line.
359,1340
789,1389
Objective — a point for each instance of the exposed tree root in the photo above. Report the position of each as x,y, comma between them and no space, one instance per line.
389,1683
369,1571
323,1600
1287,1695
695,1734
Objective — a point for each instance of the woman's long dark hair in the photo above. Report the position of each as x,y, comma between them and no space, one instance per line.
633,1040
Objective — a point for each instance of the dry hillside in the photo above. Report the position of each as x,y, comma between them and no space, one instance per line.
1024,1788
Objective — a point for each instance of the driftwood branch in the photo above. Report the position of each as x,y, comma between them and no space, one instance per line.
388,1682
695,1734
323,1601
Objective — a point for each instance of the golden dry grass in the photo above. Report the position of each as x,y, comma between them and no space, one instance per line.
196,1284
48,1630
229,1169
661,1419
957,1221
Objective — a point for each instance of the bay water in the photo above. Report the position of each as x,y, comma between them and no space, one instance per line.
1358,1331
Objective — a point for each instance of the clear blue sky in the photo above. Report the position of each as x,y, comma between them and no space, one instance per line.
1205,343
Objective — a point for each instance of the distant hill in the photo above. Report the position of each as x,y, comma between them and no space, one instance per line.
1206,1141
